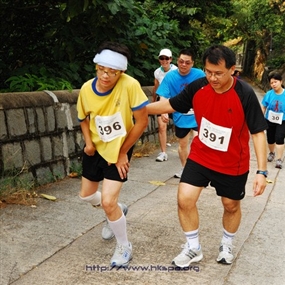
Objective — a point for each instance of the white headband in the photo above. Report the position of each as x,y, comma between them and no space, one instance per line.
111,59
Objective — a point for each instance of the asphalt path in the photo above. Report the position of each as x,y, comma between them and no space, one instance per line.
59,242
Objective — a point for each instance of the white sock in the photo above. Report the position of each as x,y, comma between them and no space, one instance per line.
119,229
94,199
192,238
227,237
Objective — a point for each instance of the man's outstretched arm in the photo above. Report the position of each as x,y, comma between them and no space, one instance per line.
160,107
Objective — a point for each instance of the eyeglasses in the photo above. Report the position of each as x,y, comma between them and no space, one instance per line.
110,73
186,62
164,58
217,75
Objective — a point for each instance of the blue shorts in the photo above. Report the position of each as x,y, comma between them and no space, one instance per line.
230,186
95,168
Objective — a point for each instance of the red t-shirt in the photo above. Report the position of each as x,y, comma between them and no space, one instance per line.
237,111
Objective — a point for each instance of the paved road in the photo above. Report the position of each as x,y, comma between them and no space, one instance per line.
60,242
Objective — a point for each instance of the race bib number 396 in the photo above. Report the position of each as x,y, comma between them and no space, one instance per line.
110,127
214,136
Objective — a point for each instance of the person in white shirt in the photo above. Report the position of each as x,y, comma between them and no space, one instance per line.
165,58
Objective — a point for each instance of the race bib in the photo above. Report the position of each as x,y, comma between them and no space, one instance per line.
110,127
275,117
214,136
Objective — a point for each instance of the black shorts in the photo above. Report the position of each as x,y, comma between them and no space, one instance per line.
95,168
275,133
183,132
230,186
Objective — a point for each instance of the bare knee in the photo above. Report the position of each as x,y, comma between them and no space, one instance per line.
162,127
109,204
231,206
186,201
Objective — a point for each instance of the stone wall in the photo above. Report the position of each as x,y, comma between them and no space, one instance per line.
40,136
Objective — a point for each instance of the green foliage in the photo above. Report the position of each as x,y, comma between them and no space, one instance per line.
262,21
62,36
76,167
276,62
14,180
30,82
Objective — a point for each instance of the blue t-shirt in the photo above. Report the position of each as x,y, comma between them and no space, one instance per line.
172,84
274,102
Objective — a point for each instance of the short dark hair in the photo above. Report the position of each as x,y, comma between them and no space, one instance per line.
275,75
116,47
187,51
236,72
216,53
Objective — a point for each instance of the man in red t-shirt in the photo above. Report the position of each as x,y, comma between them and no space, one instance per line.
227,111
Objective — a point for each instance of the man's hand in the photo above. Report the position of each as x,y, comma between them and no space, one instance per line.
123,165
89,150
259,184
165,118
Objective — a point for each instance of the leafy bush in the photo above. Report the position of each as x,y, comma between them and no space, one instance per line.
30,82
276,62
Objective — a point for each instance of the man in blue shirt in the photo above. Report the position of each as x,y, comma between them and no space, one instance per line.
173,83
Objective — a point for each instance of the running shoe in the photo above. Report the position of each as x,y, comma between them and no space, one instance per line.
122,256
271,156
225,255
107,232
178,174
187,256
278,164
162,156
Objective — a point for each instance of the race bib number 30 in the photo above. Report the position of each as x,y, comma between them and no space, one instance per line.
110,127
275,117
214,136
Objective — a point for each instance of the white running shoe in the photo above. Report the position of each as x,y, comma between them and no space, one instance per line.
278,164
178,174
271,156
162,156
122,256
187,256
107,232
225,254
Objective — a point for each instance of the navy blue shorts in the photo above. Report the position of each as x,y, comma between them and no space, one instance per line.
183,132
230,186
95,168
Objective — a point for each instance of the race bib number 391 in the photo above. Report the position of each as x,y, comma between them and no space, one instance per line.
214,136
110,127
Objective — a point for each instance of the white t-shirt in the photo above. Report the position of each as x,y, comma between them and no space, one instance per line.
159,73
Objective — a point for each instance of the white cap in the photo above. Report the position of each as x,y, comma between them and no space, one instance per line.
166,52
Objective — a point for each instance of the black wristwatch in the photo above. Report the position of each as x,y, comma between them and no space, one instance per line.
263,172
